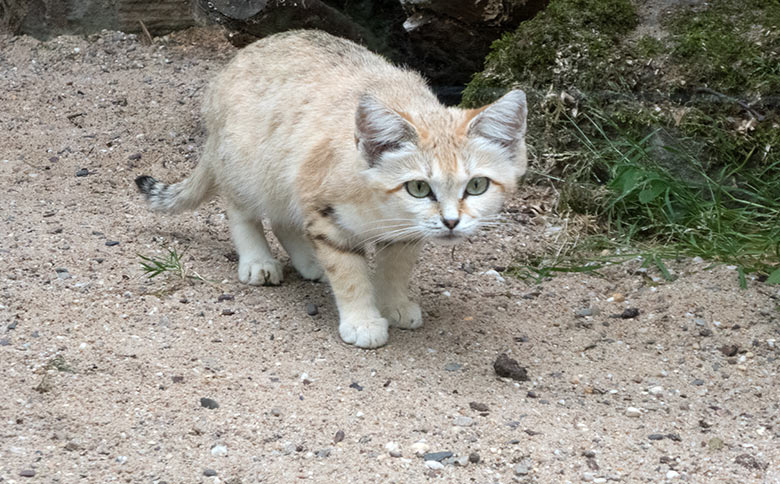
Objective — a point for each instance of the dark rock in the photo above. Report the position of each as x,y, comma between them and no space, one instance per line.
531,394
5,342
134,156
338,437
750,462
228,312
225,297
479,407
27,473
474,458
209,403
356,386
437,456
209,472
729,350
82,172
311,309
177,379
111,243
656,436
592,464
674,437
705,332
629,313
698,382
507,367
12,325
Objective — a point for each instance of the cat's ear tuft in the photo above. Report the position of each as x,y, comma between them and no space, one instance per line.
503,122
379,129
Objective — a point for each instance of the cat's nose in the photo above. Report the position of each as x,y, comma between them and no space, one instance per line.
451,223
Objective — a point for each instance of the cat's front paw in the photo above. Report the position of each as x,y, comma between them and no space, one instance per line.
364,332
403,314
260,272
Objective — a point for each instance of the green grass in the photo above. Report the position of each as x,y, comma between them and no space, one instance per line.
170,264
666,201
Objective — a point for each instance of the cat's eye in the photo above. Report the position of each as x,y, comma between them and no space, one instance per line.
477,186
418,188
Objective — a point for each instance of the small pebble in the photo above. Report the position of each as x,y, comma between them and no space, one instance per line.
27,473
209,403
522,469
672,475
585,312
82,172
276,411
311,309
225,297
715,443
356,386
507,367
698,382
209,472
393,449
437,456
479,407
617,297
111,243
729,350
5,342
705,332
633,412
629,313
656,436
474,458
228,312
656,390
338,437
462,421
219,450
453,366
432,464
419,448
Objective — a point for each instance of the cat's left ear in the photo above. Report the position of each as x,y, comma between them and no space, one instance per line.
379,129
502,123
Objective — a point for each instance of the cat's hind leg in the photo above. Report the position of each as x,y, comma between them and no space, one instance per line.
256,264
300,250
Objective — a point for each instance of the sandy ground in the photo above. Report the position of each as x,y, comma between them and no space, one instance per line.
103,370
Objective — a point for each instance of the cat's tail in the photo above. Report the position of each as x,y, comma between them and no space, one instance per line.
185,195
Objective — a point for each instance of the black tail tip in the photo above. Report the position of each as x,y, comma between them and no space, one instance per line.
145,184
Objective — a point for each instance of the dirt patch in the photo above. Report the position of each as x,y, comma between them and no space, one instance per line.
127,362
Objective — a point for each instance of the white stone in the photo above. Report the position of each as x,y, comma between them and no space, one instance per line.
633,412
219,450
656,390
672,475
462,421
432,464
393,449
420,448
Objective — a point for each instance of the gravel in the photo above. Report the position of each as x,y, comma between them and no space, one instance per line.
437,456
208,403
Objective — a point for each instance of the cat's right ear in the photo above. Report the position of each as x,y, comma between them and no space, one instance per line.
379,129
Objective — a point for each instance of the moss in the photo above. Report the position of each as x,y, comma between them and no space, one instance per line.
569,41
730,46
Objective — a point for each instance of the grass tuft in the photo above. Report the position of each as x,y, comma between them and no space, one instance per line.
171,264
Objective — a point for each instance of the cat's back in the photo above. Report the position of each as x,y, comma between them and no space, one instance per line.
311,69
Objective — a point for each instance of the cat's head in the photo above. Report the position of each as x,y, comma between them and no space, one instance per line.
444,176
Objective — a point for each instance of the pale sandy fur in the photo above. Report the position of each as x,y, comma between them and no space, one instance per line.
319,136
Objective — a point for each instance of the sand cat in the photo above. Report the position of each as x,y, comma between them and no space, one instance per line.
342,151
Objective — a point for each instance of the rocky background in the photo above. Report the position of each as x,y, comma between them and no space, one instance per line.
446,40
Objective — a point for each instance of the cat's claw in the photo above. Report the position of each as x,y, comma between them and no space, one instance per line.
260,272
364,333
404,314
